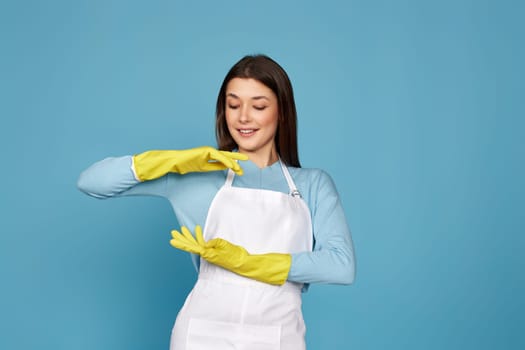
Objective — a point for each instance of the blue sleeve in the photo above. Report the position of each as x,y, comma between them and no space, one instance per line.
332,259
114,176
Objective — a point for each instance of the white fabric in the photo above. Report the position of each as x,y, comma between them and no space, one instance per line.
225,311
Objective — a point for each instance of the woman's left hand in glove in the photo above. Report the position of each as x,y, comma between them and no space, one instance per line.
270,268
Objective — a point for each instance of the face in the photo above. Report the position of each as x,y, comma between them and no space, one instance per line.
252,117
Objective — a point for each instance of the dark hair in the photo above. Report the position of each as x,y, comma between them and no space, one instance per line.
265,70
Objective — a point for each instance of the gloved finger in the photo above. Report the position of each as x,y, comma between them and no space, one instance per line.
215,166
238,171
186,233
181,241
212,243
225,158
199,236
217,243
210,251
219,157
191,248
227,161
235,155
179,237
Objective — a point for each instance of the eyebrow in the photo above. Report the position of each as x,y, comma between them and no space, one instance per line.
231,94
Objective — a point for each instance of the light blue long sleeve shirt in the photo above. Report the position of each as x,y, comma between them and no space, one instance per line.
332,259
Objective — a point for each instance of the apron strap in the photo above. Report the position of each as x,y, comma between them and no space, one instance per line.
293,189
229,178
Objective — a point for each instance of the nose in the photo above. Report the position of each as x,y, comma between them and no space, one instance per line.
245,116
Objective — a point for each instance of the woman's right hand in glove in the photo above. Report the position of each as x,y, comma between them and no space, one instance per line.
154,164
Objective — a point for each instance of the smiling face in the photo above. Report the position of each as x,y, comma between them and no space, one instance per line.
252,115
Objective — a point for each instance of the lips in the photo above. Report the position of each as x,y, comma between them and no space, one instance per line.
247,132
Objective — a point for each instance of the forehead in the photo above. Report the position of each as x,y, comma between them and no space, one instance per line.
248,88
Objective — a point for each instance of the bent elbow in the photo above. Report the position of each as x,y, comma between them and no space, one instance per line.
347,271
85,185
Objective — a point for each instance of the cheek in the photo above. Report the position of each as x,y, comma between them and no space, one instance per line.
271,119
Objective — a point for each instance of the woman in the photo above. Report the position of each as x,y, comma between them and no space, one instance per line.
270,226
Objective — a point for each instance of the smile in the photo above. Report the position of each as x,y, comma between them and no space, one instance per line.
247,132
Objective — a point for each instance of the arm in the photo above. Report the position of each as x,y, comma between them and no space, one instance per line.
115,176
333,259
144,174
269,268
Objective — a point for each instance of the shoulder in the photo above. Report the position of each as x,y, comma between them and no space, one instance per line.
310,177
314,185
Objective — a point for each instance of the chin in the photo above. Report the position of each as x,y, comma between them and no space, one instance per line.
246,149
242,146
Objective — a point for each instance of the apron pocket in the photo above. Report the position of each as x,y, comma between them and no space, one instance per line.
207,335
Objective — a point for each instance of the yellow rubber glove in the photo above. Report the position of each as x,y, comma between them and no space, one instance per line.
270,268
154,164
185,241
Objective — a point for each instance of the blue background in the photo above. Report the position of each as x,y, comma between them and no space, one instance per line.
413,107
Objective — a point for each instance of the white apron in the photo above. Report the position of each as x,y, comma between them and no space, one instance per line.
225,311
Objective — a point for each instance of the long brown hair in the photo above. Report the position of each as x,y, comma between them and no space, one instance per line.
265,70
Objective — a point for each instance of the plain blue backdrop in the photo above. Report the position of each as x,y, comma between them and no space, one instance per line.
414,107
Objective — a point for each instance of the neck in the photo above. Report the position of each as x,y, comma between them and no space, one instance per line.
263,159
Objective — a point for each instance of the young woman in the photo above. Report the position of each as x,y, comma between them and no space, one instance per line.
270,226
